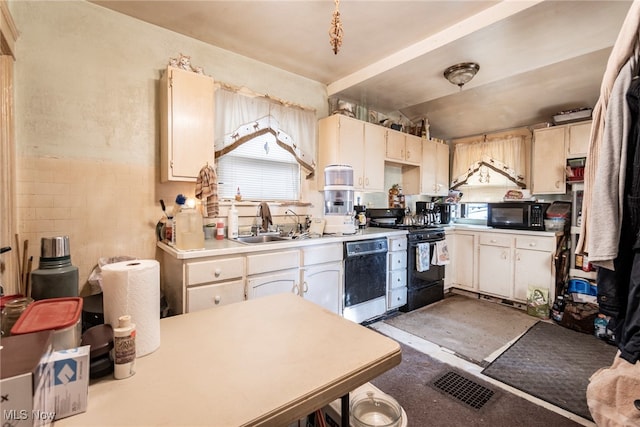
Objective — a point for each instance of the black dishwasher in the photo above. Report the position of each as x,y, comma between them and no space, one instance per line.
365,279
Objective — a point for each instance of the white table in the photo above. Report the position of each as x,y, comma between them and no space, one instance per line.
268,361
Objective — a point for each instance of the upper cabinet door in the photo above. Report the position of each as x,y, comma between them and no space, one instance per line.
413,149
187,124
578,143
549,161
374,140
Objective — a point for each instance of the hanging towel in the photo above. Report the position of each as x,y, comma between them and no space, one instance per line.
265,214
440,253
207,189
422,257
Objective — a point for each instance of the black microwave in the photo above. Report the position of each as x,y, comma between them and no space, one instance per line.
517,215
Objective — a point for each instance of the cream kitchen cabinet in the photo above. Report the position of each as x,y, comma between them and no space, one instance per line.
435,168
549,160
461,269
273,283
495,270
321,276
187,124
397,272
508,263
202,283
578,139
534,265
361,145
271,273
403,148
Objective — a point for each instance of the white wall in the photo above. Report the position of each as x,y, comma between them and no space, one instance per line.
87,124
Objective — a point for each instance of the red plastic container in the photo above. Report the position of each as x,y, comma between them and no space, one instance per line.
61,315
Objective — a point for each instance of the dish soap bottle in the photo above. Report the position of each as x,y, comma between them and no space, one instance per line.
232,222
124,348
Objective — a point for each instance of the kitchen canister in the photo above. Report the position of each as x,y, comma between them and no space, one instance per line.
60,315
133,288
55,276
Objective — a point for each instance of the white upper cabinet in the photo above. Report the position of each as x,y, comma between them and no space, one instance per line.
403,148
352,142
549,161
578,139
435,168
187,124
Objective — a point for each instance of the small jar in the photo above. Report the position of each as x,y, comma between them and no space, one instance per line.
11,313
220,231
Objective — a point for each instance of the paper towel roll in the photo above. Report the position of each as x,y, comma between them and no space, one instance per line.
133,288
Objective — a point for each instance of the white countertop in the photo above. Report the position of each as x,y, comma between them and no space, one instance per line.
262,362
226,246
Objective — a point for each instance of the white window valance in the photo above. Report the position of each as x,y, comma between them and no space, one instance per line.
505,155
241,117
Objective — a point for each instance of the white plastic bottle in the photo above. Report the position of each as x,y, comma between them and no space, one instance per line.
232,222
124,348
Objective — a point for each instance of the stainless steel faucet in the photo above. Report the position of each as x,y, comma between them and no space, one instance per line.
298,224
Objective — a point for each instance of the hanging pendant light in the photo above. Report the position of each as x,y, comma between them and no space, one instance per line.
335,30
461,74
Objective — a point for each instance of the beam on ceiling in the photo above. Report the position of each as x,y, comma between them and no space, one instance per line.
461,29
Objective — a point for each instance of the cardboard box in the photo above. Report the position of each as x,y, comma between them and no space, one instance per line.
71,381
26,380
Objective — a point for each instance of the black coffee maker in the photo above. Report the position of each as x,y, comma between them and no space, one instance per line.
447,212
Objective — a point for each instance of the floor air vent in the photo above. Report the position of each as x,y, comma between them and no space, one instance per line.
466,391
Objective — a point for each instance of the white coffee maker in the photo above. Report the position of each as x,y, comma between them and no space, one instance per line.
338,200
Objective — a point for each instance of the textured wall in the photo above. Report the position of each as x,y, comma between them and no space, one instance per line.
87,124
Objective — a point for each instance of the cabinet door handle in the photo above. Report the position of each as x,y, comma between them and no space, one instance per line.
504,255
217,272
217,299
305,287
493,240
366,181
360,181
295,289
532,244
518,256
408,154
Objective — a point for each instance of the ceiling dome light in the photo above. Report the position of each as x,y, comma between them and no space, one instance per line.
461,74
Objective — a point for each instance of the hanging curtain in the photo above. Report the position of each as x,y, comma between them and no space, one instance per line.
505,155
240,117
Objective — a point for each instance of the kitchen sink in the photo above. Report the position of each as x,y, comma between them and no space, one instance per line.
261,239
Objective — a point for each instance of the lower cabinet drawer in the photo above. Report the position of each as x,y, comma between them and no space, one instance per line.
398,278
397,260
491,239
216,270
208,296
272,261
396,297
546,244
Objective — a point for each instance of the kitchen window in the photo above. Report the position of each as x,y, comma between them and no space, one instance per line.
261,169
262,146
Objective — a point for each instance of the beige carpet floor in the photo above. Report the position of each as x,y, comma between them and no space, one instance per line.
472,328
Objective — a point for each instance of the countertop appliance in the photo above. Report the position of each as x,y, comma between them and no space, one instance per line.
523,215
338,200
365,279
423,287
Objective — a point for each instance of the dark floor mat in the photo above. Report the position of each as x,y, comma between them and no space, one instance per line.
417,385
554,364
